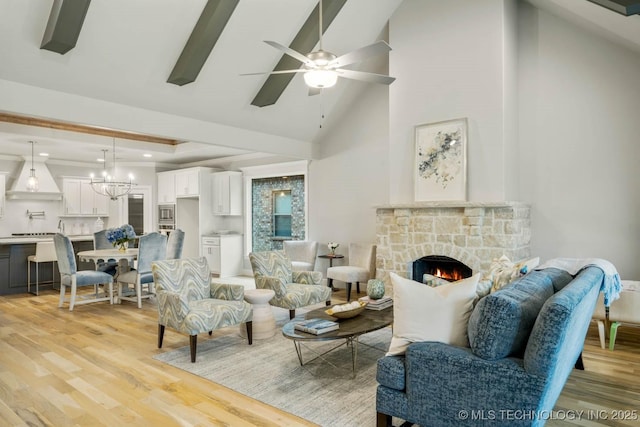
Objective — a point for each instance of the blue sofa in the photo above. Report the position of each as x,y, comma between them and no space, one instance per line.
524,342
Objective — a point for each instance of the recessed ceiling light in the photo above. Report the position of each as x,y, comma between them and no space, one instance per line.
100,160
147,155
44,154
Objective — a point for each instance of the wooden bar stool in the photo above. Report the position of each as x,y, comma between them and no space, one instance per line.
45,252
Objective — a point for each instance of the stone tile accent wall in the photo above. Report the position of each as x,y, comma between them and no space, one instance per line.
473,233
262,218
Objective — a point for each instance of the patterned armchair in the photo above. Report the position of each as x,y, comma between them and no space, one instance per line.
189,303
294,289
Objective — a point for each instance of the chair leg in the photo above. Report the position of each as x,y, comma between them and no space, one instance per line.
601,333
383,420
348,291
139,294
210,333
358,287
330,283
612,334
63,288
193,343
292,314
249,325
160,335
579,363
72,300
327,303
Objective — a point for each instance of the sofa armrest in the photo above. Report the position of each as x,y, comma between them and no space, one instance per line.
277,284
227,292
442,381
307,277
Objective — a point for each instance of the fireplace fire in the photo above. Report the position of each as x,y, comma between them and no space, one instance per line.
441,266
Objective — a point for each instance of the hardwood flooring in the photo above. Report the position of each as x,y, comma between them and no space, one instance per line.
94,367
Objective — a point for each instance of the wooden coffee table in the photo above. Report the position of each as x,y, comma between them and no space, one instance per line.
349,331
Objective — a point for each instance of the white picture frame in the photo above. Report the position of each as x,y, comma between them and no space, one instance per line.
440,164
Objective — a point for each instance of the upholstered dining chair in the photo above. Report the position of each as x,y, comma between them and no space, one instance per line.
362,267
151,247
189,303
174,244
100,241
294,289
302,254
70,276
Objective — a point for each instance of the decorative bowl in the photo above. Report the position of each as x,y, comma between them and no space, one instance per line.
347,314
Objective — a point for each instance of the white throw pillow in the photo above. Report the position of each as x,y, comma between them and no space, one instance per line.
424,313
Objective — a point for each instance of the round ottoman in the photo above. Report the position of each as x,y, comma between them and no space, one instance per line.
264,324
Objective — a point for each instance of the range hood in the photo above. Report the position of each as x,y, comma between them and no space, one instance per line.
48,188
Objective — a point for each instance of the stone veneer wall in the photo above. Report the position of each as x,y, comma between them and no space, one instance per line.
473,233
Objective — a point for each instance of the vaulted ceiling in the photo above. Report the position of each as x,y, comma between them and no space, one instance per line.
127,51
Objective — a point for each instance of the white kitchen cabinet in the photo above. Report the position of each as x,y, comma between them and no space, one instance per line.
188,182
166,187
223,253
2,189
79,199
227,193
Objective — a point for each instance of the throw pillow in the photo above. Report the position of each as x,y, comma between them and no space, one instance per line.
425,313
503,271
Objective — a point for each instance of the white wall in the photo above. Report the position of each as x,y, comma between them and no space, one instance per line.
579,151
449,61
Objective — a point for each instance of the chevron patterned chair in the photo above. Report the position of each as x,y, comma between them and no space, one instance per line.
294,289
189,303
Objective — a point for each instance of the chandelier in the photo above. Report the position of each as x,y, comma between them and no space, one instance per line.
108,184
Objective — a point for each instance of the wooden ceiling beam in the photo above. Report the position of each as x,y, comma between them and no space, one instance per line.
91,130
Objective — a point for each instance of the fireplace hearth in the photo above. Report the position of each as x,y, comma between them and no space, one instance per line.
441,266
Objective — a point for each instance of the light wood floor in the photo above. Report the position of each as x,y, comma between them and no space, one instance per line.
94,367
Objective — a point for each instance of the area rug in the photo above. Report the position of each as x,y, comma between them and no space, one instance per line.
322,391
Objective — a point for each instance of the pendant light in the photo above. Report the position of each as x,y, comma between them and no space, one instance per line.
32,182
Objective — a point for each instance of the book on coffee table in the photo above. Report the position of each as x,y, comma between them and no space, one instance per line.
316,326
377,304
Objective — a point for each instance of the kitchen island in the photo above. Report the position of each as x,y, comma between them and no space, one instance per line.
13,261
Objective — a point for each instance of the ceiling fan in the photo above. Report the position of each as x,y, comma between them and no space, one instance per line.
322,68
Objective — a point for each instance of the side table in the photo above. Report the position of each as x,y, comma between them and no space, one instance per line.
331,257
264,324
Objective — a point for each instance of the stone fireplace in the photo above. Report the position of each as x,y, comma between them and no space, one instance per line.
473,233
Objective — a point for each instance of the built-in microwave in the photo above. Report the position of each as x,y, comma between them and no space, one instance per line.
166,216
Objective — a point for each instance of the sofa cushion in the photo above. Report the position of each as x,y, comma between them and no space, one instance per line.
502,321
391,372
424,313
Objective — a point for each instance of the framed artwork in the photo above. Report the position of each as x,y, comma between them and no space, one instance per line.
441,161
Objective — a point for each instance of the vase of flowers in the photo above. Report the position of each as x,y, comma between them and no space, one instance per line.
332,247
121,236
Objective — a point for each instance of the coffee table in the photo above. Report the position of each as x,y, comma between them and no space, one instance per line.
349,331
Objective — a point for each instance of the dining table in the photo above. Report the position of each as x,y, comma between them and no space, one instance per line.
125,259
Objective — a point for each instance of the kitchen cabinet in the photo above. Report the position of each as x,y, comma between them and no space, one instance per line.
79,199
2,190
166,187
188,182
223,253
227,193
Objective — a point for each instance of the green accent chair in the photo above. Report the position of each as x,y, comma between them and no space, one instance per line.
294,289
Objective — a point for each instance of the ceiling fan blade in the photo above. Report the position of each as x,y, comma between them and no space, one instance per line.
314,91
378,48
366,77
297,70
293,53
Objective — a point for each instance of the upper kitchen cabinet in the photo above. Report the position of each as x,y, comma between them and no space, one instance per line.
227,193
166,187
79,199
188,182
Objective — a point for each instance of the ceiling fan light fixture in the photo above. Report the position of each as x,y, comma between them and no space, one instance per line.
320,79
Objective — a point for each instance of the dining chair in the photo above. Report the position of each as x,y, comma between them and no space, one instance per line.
151,247
174,244
302,254
70,276
45,252
100,241
189,303
361,268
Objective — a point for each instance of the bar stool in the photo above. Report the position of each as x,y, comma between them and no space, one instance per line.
45,252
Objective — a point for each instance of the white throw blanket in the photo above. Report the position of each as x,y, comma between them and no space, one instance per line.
610,285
